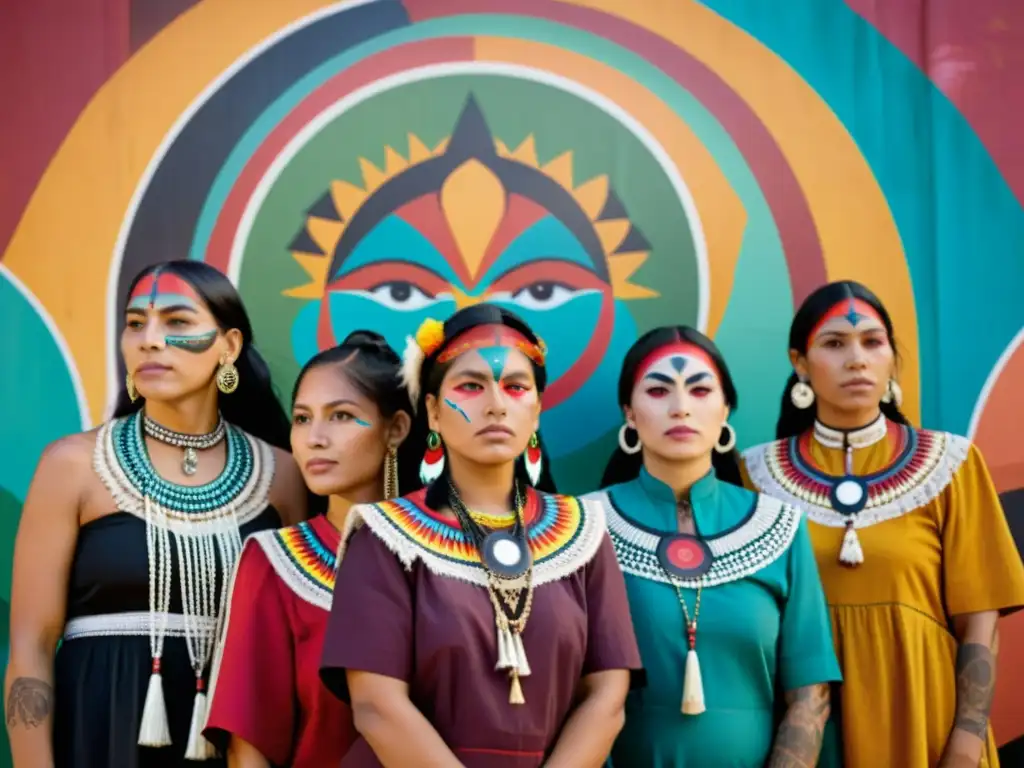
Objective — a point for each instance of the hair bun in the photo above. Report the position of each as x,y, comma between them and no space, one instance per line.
370,341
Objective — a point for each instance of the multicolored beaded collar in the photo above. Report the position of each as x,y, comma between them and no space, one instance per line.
758,541
564,535
304,559
240,491
924,464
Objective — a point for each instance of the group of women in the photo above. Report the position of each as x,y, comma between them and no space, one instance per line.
179,595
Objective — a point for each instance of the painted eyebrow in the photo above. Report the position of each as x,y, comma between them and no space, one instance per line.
698,377
163,310
660,377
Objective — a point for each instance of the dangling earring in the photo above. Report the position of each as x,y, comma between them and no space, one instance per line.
802,395
391,473
730,443
433,460
532,457
129,383
626,447
227,377
893,393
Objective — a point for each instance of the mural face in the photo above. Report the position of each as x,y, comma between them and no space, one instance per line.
598,167
469,221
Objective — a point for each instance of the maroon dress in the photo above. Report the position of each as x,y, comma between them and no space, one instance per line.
411,604
267,689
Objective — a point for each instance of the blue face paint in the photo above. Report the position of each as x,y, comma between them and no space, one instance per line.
197,343
457,408
362,422
497,359
853,315
678,363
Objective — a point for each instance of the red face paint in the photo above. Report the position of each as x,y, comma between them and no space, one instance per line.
853,310
680,348
159,290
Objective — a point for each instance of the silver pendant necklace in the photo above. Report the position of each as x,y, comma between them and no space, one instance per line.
191,443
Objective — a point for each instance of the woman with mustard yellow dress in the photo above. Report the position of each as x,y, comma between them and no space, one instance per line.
913,548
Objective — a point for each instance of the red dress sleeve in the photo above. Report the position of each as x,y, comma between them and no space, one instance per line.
254,690
611,642
370,627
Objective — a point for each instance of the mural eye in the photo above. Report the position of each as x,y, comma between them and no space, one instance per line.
544,294
401,295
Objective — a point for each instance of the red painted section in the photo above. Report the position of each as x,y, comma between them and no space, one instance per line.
54,55
974,52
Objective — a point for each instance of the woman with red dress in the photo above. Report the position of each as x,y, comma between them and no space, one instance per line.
350,413
481,622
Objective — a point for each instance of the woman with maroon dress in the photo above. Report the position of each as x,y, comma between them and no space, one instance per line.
480,622
350,412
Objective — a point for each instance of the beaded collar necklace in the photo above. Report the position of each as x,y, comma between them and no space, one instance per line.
201,525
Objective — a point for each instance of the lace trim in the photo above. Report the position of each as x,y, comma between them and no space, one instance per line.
758,542
563,539
918,478
302,561
250,501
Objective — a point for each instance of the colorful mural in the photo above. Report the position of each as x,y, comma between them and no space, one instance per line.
599,167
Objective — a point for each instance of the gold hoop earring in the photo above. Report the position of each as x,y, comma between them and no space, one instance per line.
129,383
391,473
227,377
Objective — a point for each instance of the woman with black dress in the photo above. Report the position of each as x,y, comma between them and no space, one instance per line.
128,530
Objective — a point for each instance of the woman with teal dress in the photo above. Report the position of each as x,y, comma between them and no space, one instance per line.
723,587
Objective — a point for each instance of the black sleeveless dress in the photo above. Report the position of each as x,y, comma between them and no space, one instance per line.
103,665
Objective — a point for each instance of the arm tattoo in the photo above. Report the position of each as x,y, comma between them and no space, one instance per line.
29,702
975,683
799,739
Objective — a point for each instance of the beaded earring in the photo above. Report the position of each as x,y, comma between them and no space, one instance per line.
433,460
533,459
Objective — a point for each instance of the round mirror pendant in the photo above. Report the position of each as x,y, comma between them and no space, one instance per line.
849,495
504,555
684,556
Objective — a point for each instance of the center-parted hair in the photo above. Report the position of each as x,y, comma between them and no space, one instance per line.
623,466
792,420
366,361
432,373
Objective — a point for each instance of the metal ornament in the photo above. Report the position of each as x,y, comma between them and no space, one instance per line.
625,446
801,395
227,378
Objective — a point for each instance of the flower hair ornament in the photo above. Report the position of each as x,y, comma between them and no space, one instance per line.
429,338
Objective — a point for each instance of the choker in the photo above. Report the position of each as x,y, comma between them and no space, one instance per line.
856,438
191,443
508,562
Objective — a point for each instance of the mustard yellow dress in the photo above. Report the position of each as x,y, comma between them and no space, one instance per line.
935,544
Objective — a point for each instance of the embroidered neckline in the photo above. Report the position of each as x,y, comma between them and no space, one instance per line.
240,492
920,472
858,438
563,536
303,559
758,541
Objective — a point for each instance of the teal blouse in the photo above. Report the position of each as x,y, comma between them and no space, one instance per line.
763,626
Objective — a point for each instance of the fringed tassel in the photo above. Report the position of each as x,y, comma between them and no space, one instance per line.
155,731
198,747
522,663
515,694
693,685
506,650
850,553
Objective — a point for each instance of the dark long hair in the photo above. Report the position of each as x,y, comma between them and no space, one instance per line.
792,420
432,374
254,406
623,466
372,367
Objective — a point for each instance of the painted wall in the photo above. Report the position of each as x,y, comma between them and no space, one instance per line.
600,167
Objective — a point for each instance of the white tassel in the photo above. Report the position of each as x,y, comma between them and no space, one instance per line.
850,553
693,685
522,663
198,747
412,364
506,658
155,731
